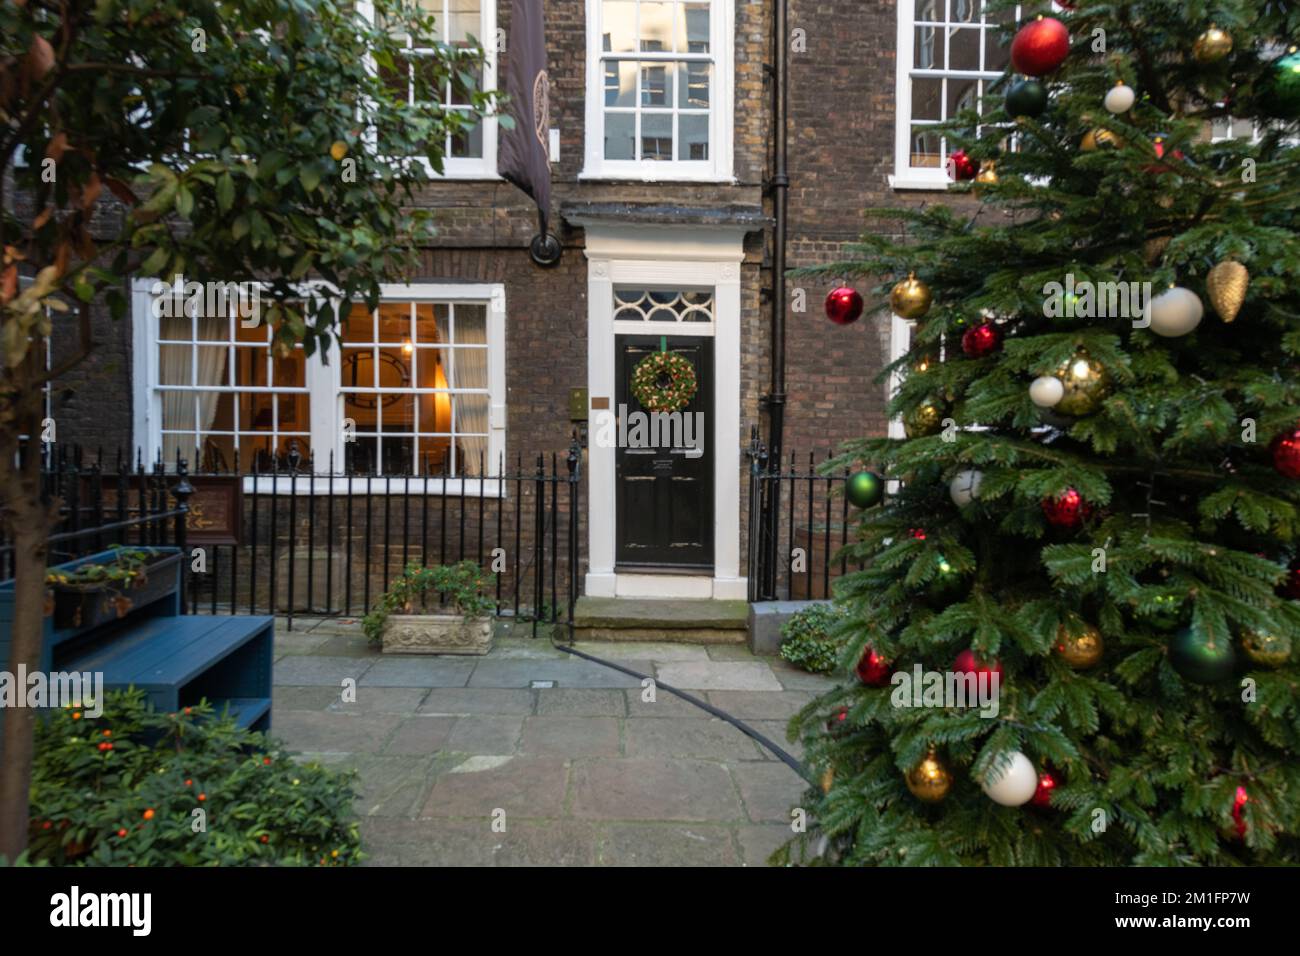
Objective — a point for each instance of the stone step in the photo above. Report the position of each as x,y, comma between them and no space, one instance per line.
687,621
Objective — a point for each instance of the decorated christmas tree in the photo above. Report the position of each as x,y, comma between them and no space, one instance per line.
1072,629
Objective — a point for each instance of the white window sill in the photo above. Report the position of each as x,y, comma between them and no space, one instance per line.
656,176
377,487
919,182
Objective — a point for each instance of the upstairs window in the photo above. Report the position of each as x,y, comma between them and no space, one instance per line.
659,89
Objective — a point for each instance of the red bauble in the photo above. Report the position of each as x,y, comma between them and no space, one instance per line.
918,534
981,340
1238,806
968,663
1040,47
1043,795
873,670
1067,511
1286,453
1158,146
1290,588
844,306
961,166
838,720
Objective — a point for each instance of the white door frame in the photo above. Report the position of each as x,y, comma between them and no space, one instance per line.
649,256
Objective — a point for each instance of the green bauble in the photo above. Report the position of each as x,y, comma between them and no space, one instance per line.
864,489
1027,98
1201,659
1282,87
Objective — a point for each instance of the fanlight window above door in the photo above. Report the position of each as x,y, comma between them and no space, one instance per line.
663,305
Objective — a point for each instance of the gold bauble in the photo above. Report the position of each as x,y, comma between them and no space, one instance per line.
1079,645
1212,45
1267,650
828,778
925,419
1153,249
924,363
1227,283
988,175
911,298
929,781
1096,138
1087,383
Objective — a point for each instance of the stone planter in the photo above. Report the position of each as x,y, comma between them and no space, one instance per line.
437,634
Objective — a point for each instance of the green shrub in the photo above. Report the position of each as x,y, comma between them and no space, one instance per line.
122,789
806,639
464,585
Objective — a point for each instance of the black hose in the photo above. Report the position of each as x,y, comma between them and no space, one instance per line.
740,725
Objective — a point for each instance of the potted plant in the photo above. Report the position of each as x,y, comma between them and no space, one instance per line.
402,629
107,586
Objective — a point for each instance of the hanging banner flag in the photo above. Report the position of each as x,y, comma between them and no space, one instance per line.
524,152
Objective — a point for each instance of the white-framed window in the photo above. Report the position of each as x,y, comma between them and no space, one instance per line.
471,154
413,388
900,343
949,51
659,89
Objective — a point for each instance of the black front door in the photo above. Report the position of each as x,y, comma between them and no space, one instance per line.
664,486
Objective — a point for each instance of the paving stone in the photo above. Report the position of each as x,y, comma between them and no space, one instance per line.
295,643
685,737
566,673
527,787
792,678
759,705
719,675
414,671
758,843
437,842
624,844
320,671
479,734
731,652
387,785
775,730
642,651
570,736
301,698
313,732
665,705
421,735
577,702
769,789
523,648
380,700
477,700
347,645
653,789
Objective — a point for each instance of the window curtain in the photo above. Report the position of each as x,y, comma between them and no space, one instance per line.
468,369
174,367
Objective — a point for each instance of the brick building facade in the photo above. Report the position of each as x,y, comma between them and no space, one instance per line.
689,83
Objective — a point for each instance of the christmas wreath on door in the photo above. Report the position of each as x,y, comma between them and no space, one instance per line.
664,382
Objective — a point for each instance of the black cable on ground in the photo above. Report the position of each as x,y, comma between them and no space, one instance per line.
740,725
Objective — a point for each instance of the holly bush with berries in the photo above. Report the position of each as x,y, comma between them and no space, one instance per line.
122,789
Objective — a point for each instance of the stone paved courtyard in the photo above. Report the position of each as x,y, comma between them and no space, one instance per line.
585,771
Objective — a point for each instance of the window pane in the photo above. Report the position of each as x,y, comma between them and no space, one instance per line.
620,134
964,49
929,9
471,324
427,316
656,32
928,51
358,326
394,368
656,83
997,53
694,138
464,21
620,83
962,95
358,369
175,365
693,85
213,328
618,26
179,327
927,98
394,321
964,11
290,371
657,136
925,147
696,16
468,143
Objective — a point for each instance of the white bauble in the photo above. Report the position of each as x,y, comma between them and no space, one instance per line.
965,487
1046,390
1120,99
1175,312
1014,783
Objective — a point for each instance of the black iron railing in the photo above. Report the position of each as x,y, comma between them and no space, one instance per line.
297,541
799,521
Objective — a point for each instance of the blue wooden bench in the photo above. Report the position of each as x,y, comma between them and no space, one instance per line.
176,659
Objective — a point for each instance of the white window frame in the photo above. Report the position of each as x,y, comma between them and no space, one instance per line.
324,385
484,167
906,176
719,168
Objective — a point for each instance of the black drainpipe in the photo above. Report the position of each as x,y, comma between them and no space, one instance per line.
780,184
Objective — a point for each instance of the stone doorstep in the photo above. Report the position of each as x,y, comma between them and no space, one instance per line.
683,621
